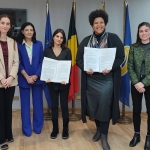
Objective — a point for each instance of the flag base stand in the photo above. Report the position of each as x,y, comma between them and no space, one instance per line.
73,116
48,115
124,119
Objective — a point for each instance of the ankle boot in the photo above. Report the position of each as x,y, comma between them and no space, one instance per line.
55,129
104,142
97,135
65,133
4,146
135,140
147,143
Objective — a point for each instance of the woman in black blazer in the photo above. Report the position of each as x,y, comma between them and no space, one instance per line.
59,51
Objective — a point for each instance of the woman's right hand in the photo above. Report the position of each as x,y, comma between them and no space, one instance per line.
90,71
29,79
48,81
4,83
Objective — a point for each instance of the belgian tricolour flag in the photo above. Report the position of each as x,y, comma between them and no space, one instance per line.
73,45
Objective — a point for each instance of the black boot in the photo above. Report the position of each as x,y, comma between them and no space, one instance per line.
97,135
135,140
147,143
65,133
4,146
104,142
55,129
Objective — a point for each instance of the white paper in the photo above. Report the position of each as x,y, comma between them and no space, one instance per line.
55,70
99,59
91,59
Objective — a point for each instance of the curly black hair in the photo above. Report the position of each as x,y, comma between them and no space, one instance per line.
98,13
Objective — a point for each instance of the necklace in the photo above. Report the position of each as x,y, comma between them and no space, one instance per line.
57,51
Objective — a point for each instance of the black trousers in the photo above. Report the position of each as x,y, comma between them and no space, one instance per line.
103,126
6,99
54,94
137,106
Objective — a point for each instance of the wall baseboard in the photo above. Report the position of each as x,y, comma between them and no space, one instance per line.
78,111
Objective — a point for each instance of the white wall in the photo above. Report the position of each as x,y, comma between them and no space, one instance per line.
60,16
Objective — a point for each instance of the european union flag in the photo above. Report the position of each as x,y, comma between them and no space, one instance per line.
48,37
125,80
48,32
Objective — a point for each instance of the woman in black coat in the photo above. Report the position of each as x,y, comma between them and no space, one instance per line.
100,91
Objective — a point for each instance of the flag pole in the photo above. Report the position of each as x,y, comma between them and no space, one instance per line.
123,118
47,115
73,116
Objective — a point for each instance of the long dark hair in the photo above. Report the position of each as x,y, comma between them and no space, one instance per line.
138,40
20,36
63,45
9,33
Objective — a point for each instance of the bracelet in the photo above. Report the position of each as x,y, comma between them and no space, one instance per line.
25,74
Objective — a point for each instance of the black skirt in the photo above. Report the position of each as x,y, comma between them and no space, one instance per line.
99,94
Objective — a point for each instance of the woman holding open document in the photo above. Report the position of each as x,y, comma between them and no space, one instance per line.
59,51
100,90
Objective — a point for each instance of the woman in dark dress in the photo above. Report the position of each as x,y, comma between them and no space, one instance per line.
59,51
100,91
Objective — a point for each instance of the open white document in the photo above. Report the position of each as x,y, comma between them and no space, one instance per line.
55,70
99,59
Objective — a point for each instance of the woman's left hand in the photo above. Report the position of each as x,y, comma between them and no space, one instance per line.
142,90
9,81
105,71
139,85
34,77
48,80
63,82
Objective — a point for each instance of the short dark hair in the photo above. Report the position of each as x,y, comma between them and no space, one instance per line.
63,45
9,33
20,36
138,40
98,13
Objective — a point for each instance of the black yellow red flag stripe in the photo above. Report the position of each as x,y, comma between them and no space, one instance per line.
73,45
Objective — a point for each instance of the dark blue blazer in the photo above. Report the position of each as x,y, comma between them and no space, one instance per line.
31,69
